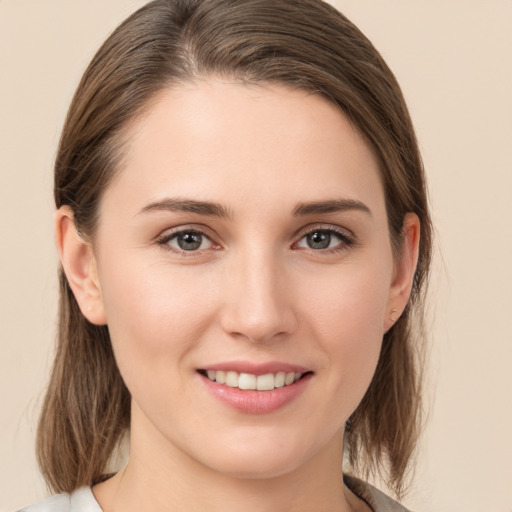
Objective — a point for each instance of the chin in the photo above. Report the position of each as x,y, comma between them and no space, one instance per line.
271,459
259,469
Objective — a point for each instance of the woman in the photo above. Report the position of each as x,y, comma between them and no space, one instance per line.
245,239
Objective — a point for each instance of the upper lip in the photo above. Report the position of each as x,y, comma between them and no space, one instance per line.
256,368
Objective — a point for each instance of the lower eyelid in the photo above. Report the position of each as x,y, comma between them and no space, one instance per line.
345,240
164,240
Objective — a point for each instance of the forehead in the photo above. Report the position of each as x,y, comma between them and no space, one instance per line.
246,143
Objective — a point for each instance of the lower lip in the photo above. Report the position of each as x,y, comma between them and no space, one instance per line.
253,401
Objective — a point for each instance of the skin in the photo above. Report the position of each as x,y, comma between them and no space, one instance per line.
255,290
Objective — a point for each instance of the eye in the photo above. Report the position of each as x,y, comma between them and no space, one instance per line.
324,239
187,241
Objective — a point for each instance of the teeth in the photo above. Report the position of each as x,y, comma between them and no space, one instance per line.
265,382
232,379
280,379
247,381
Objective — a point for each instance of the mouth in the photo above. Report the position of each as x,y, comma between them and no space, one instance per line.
252,382
256,388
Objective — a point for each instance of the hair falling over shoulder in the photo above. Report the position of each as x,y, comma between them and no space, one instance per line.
304,44
87,406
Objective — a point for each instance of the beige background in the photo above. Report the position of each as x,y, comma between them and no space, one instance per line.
454,61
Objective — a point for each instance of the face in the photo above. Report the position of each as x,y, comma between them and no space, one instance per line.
244,244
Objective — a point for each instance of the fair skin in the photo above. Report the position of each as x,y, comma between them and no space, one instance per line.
247,231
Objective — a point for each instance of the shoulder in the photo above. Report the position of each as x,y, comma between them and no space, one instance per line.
377,500
81,500
57,503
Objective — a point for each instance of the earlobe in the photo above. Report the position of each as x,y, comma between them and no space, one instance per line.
79,264
405,268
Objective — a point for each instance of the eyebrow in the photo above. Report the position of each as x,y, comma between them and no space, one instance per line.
329,206
212,209
189,206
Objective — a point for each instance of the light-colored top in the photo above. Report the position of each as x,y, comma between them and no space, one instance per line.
83,500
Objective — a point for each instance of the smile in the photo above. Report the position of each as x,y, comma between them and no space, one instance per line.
256,389
249,381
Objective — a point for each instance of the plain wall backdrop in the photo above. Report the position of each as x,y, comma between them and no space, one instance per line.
453,60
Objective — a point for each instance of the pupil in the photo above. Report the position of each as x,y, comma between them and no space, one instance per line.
319,240
189,241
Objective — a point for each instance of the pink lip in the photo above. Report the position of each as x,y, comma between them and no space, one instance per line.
253,401
255,368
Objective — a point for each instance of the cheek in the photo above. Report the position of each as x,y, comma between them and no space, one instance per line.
153,316
347,315
351,301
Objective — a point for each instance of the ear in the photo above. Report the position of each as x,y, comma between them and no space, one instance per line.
79,263
405,268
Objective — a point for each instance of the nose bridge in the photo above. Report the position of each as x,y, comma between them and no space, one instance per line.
257,307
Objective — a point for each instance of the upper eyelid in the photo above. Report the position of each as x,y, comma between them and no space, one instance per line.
196,228
163,241
168,234
324,227
204,230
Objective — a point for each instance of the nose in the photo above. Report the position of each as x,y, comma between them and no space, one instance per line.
258,302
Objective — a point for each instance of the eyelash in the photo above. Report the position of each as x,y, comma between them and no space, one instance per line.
163,241
346,240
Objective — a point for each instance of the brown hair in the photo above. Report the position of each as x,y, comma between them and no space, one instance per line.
304,44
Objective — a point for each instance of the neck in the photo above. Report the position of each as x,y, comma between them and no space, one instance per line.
168,479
